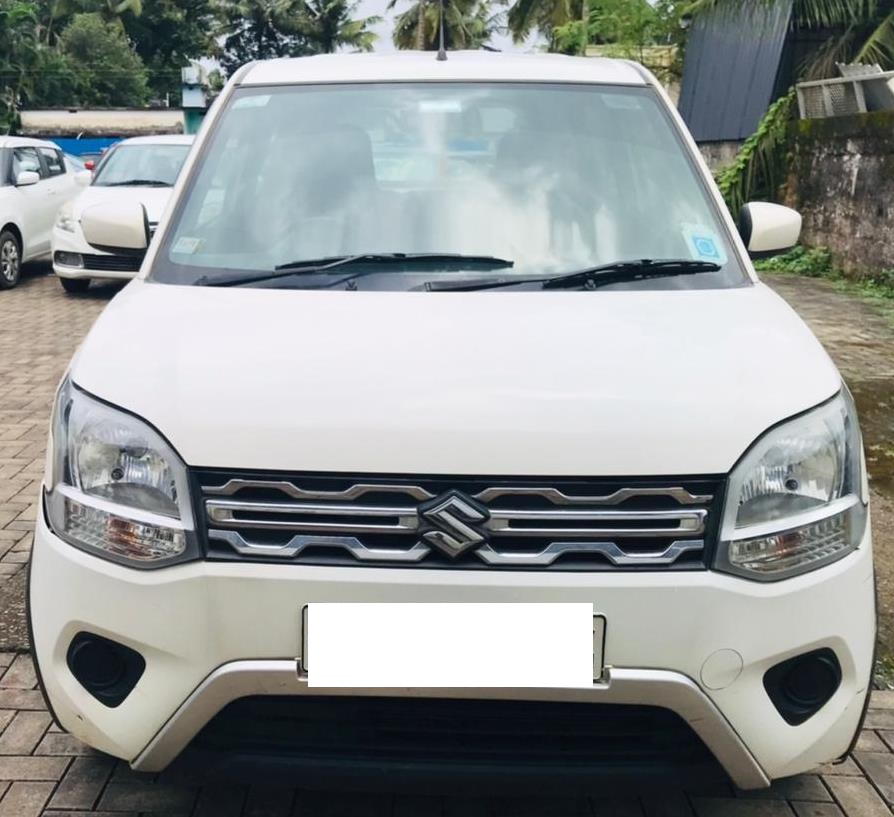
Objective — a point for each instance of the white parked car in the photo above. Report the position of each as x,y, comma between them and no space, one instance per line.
454,335
35,181
141,170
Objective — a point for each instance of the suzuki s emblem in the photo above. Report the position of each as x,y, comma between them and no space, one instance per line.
453,521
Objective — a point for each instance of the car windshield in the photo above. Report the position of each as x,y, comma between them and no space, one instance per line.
150,164
554,178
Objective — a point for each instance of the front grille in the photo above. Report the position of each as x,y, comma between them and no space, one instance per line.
443,731
113,263
470,523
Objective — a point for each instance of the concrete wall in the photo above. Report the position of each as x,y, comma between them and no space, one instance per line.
842,181
719,154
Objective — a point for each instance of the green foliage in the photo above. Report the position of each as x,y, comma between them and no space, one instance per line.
168,35
818,262
108,71
629,26
55,82
761,165
18,55
259,30
467,24
329,25
814,262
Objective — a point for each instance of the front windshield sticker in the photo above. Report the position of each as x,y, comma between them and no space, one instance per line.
187,245
703,243
440,106
253,101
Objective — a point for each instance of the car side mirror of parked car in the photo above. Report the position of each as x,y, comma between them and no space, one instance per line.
27,178
116,226
769,229
83,177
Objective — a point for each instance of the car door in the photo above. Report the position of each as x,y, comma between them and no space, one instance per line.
63,173
33,204
58,185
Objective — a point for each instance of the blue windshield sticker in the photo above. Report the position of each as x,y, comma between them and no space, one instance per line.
703,243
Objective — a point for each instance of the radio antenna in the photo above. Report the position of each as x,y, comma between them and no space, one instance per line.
442,49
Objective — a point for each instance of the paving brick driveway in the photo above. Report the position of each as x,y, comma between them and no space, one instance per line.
46,772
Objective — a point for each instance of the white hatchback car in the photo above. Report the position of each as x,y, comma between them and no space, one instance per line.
142,170
35,180
478,339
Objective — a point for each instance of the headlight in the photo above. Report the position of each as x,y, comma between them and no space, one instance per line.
115,488
65,219
796,501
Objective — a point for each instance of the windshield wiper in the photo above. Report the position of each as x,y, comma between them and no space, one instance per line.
590,278
138,183
318,265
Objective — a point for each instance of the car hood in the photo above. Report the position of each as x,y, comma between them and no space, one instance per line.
486,383
153,199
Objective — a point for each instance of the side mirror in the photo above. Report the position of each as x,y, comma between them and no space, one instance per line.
118,226
26,178
83,177
769,229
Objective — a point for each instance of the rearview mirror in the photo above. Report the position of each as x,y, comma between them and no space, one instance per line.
83,177
769,229
116,226
26,178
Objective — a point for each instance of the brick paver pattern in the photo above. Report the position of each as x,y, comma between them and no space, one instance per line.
47,773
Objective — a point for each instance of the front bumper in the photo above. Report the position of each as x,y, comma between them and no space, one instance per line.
64,241
215,632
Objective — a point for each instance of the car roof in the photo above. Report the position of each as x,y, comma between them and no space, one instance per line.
25,141
459,66
161,139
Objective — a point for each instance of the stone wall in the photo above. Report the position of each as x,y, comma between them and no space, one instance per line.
718,155
842,181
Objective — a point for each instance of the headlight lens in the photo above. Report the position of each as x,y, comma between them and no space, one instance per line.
796,501
65,219
115,487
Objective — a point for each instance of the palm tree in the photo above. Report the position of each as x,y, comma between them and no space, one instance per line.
546,16
259,30
329,25
858,31
55,13
467,24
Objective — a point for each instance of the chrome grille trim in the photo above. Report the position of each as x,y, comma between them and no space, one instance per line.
223,512
290,489
610,550
557,497
296,544
445,521
690,522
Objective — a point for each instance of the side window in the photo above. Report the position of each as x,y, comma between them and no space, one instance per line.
55,164
24,159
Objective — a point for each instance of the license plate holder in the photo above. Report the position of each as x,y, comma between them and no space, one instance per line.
539,655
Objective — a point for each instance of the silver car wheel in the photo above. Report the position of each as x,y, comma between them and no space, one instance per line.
9,260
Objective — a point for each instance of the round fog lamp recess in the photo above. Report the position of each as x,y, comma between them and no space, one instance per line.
799,687
95,664
106,669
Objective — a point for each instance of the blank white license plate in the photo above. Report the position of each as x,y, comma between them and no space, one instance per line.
362,645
